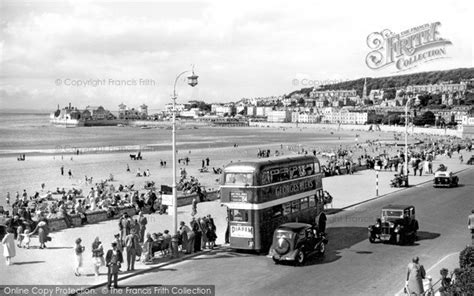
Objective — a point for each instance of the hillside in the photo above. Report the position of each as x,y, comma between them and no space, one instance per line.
432,77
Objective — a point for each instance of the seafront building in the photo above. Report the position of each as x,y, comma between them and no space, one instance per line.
317,105
133,114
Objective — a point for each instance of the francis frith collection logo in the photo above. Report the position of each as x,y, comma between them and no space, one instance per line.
407,49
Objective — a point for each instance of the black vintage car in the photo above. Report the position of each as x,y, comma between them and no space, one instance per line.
445,179
470,160
295,242
397,224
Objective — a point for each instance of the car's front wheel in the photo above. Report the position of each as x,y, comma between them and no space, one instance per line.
322,249
300,257
371,238
399,239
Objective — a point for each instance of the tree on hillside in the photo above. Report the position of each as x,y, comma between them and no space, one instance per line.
373,118
426,118
391,119
389,94
424,99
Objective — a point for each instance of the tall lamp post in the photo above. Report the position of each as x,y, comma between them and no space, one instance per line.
406,138
192,80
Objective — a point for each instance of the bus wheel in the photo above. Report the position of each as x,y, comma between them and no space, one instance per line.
300,258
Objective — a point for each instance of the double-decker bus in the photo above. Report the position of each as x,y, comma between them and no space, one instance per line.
263,194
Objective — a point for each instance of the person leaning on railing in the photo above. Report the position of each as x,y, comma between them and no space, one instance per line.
470,224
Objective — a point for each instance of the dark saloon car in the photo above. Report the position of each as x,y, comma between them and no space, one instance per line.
295,242
397,224
445,179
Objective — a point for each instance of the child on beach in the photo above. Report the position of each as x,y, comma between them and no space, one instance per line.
26,238
19,236
78,250
8,198
8,243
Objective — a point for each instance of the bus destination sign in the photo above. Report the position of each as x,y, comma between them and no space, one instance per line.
238,196
242,231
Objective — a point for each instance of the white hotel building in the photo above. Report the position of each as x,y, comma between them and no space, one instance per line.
344,116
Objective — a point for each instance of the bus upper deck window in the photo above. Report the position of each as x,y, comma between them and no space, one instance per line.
238,178
284,175
317,169
309,169
266,177
294,172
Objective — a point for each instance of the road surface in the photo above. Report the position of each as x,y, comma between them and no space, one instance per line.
352,265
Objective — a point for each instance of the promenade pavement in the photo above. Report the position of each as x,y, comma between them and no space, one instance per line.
55,264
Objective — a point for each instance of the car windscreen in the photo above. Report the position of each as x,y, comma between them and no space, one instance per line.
392,213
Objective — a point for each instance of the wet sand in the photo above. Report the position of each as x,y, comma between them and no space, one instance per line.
37,169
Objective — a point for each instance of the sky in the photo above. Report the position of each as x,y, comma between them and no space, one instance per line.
108,52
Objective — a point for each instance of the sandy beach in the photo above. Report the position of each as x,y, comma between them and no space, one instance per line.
37,169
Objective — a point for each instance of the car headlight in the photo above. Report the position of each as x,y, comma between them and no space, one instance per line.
391,225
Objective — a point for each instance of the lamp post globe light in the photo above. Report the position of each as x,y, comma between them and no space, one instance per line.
192,81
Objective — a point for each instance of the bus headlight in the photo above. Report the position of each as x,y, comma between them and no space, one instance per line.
251,243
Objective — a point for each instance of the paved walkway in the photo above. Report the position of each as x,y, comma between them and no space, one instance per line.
55,264
347,191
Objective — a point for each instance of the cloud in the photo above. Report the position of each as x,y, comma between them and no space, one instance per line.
240,49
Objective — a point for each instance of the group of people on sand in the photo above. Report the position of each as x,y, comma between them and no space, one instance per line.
19,235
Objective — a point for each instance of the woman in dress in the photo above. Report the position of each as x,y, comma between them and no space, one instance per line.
415,275
43,231
8,243
78,250
97,255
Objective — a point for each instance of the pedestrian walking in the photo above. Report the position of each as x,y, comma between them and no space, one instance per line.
183,232
131,243
194,207
421,165
321,222
142,222
78,251
69,173
26,238
415,275
43,231
470,225
62,170
197,235
8,243
8,198
114,259
119,242
97,255
124,227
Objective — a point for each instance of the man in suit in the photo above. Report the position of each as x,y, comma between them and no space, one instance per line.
131,243
113,260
